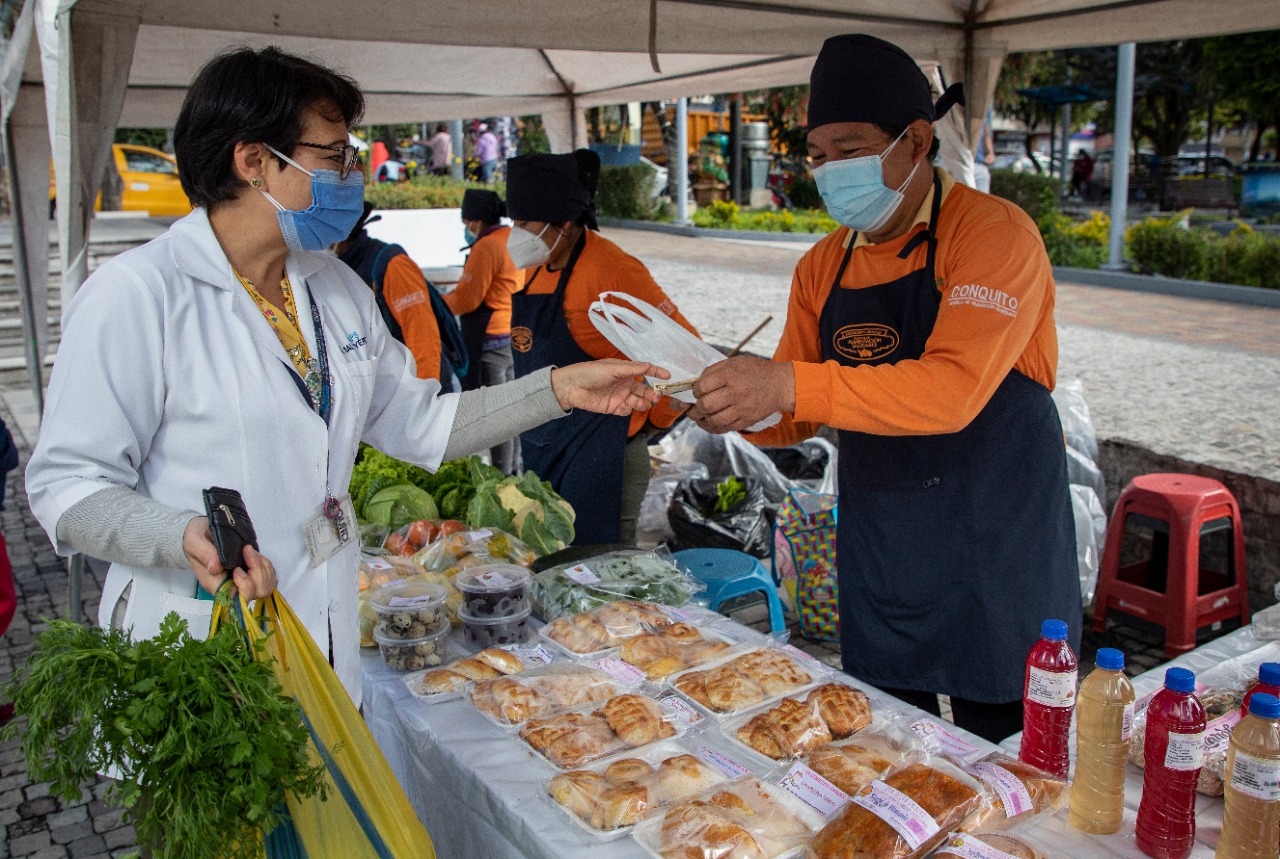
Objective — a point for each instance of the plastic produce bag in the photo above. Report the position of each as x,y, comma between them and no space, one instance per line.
642,332
1077,424
472,548
578,587
1091,538
367,813
653,523
417,535
745,527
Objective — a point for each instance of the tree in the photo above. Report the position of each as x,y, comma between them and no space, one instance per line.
1243,68
1027,71
670,143
786,109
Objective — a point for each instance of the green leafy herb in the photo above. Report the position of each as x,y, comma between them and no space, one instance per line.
204,743
729,494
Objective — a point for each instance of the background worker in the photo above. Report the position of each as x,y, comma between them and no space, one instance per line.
923,331
441,151
414,312
483,301
601,467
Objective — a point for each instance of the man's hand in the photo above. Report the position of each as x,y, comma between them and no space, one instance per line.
608,386
740,392
256,579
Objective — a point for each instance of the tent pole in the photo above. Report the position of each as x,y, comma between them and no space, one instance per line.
737,193
682,165
21,266
1125,63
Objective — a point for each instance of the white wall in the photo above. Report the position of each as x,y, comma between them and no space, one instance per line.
432,237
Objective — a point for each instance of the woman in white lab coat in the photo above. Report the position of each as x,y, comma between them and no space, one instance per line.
231,351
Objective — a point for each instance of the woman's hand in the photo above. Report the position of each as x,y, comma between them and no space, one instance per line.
608,386
255,580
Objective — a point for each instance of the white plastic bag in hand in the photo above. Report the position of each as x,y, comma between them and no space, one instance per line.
644,333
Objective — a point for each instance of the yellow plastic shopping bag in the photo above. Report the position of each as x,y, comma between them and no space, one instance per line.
366,813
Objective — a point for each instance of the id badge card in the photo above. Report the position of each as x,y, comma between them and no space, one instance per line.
327,534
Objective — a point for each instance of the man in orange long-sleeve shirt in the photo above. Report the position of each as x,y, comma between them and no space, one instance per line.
924,332
600,464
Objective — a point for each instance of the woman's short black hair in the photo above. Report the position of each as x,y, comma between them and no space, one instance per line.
253,96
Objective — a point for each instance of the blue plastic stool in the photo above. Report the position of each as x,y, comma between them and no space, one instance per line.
728,573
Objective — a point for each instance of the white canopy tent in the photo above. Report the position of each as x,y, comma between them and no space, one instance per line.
99,64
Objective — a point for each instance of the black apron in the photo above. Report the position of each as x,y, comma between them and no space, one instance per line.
580,454
474,325
951,548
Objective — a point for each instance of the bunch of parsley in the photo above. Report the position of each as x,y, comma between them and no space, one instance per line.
203,742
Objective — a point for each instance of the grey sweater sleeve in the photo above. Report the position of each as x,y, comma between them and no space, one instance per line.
489,416
123,527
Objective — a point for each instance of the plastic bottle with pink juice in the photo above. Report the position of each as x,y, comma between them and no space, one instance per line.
1174,754
1048,698
1268,682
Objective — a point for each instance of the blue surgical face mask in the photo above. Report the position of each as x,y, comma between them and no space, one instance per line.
854,190
470,236
336,206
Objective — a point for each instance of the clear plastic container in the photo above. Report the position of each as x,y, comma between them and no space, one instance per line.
409,610
1104,723
1268,682
1048,698
1251,819
1174,754
494,590
413,654
481,632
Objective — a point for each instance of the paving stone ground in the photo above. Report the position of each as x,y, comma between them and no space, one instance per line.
1196,379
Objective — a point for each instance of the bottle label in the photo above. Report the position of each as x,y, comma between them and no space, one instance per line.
913,823
968,847
1217,734
1052,688
1185,752
1256,777
1013,793
1126,727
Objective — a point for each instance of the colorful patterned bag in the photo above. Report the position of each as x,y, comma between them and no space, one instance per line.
804,561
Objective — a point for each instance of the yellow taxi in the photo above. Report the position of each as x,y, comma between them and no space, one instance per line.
150,180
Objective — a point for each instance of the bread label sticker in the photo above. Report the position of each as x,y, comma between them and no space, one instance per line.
411,602
493,579
677,708
377,564
624,672
680,616
1052,688
1013,793
908,819
1185,751
1217,734
582,574
951,745
724,763
1256,777
968,847
530,652
1126,727
814,790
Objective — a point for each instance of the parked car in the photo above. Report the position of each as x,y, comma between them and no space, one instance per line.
1193,165
1021,162
150,182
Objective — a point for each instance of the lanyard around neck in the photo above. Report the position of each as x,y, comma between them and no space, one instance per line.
317,387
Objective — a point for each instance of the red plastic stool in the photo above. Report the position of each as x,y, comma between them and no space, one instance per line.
1170,589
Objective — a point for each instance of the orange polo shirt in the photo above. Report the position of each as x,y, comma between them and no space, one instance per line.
489,277
405,290
996,314
604,267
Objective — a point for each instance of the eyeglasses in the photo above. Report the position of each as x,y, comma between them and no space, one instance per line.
350,155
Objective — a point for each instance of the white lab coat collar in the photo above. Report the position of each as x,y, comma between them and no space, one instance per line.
197,254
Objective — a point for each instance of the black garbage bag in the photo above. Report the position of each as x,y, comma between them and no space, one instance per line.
804,461
744,527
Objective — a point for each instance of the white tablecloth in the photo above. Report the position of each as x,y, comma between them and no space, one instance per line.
481,793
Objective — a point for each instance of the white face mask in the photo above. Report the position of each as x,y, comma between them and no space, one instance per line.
527,249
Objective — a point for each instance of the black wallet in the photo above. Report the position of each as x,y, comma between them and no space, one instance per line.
229,522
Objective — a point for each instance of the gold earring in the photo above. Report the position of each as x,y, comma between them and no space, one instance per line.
256,181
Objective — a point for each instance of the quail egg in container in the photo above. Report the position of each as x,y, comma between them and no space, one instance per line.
413,654
408,610
494,590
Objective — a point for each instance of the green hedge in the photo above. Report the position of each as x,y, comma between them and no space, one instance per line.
722,215
1025,189
424,192
627,192
1168,247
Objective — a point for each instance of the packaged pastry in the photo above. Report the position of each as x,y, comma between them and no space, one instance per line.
609,797
594,632
741,682
1017,792
408,610
673,648
579,737
743,819
487,664
798,724
904,815
540,692
987,845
